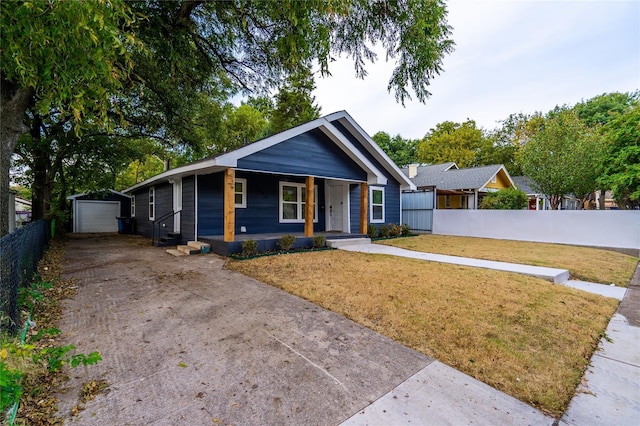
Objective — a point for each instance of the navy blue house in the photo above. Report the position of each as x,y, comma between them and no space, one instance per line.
323,176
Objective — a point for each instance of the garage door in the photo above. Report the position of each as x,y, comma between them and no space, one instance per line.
97,216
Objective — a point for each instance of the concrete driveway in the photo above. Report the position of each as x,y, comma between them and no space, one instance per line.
185,341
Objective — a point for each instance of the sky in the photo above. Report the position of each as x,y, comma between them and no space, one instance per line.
511,56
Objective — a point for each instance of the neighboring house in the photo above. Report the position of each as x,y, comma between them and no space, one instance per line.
459,188
326,175
99,212
23,211
538,201
609,202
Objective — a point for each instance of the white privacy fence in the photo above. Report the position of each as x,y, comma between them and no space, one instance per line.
598,228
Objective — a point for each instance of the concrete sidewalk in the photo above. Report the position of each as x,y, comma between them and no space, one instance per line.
550,274
610,389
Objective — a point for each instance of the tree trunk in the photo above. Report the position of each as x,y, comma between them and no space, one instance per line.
40,169
14,103
602,200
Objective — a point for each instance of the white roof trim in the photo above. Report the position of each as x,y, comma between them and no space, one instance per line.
496,174
73,197
374,149
206,166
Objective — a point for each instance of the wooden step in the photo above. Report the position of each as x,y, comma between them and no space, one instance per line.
188,249
199,245
176,253
203,247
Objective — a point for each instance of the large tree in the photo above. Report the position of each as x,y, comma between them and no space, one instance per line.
69,57
598,111
401,151
449,141
622,161
74,56
563,157
295,103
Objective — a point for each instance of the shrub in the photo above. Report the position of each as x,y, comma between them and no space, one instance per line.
406,230
384,231
372,231
287,241
505,199
249,248
395,230
319,241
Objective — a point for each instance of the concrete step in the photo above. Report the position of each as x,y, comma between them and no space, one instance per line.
176,253
188,249
203,247
343,242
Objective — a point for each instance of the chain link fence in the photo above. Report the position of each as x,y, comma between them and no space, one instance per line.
20,252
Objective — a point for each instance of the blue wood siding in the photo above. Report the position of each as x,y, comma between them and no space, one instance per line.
392,191
354,208
311,153
392,202
143,225
163,205
262,212
188,215
210,204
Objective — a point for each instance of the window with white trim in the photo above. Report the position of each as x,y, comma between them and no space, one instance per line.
376,195
152,203
133,206
240,193
292,202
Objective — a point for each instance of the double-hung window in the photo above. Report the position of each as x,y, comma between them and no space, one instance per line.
133,206
376,195
241,193
152,203
293,201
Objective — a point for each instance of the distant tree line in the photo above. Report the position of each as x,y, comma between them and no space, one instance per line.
591,146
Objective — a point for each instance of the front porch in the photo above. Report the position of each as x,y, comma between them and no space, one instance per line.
267,242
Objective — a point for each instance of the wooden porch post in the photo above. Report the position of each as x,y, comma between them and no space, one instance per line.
364,207
308,207
229,205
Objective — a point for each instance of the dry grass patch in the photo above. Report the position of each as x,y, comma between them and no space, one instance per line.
583,263
522,335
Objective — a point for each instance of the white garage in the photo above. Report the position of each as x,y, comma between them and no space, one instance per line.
96,216
99,214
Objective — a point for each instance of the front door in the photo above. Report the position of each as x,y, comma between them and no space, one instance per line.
177,204
336,207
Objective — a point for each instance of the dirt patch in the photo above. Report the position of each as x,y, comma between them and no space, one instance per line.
185,341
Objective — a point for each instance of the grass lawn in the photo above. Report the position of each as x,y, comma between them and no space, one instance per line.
523,335
583,263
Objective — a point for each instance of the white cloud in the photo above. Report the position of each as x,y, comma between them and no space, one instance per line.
511,56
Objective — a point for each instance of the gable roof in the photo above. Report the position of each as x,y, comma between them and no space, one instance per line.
523,183
73,197
448,177
325,124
